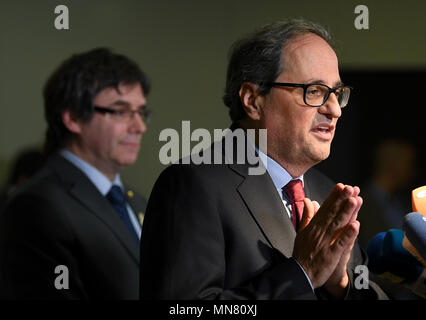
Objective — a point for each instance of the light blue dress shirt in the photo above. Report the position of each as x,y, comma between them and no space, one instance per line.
280,177
101,182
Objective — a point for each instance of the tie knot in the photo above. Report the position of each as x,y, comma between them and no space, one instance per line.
294,190
115,195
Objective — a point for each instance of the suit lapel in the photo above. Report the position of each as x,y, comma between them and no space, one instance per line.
137,207
266,207
315,187
83,191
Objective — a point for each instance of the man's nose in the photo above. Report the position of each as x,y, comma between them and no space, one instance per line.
331,108
137,125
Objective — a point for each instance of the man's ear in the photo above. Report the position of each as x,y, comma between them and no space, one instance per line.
71,122
250,99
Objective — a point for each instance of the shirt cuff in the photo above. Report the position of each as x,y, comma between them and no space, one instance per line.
306,275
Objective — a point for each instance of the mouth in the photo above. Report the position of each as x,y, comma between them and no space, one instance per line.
130,144
324,131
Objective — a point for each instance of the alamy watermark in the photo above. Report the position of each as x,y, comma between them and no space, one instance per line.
362,278
239,147
362,20
62,19
62,280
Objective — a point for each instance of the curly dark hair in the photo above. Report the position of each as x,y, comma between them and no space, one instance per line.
257,59
76,82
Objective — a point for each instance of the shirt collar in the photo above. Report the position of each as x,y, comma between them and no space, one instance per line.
101,182
280,176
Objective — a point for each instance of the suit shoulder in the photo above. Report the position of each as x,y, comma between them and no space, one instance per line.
42,184
203,173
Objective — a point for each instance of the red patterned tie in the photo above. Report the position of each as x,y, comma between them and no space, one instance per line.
296,194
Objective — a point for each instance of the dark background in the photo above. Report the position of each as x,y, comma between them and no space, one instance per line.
383,104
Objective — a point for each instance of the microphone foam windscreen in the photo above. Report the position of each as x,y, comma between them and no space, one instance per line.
375,253
400,261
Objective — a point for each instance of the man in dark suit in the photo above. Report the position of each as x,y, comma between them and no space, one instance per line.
73,231
216,231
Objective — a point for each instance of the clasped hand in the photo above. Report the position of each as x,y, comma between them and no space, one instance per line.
326,237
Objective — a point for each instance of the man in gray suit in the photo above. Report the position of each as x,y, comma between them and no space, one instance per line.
214,231
73,231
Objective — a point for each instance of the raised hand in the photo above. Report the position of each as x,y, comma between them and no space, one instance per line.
326,237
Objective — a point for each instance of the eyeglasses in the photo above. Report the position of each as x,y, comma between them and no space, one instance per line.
125,115
315,95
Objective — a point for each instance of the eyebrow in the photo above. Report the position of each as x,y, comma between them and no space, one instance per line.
318,81
122,103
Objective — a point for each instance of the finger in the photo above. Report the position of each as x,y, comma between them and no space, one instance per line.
308,213
353,217
316,206
342,219
333,204
347,252
356,191
334,193
357,208
340,271
346,239
354,227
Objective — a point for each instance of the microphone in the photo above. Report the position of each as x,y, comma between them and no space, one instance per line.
399,256
390,260
418,200
376,262
414,226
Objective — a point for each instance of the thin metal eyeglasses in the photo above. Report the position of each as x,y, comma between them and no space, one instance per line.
126,114
316,94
